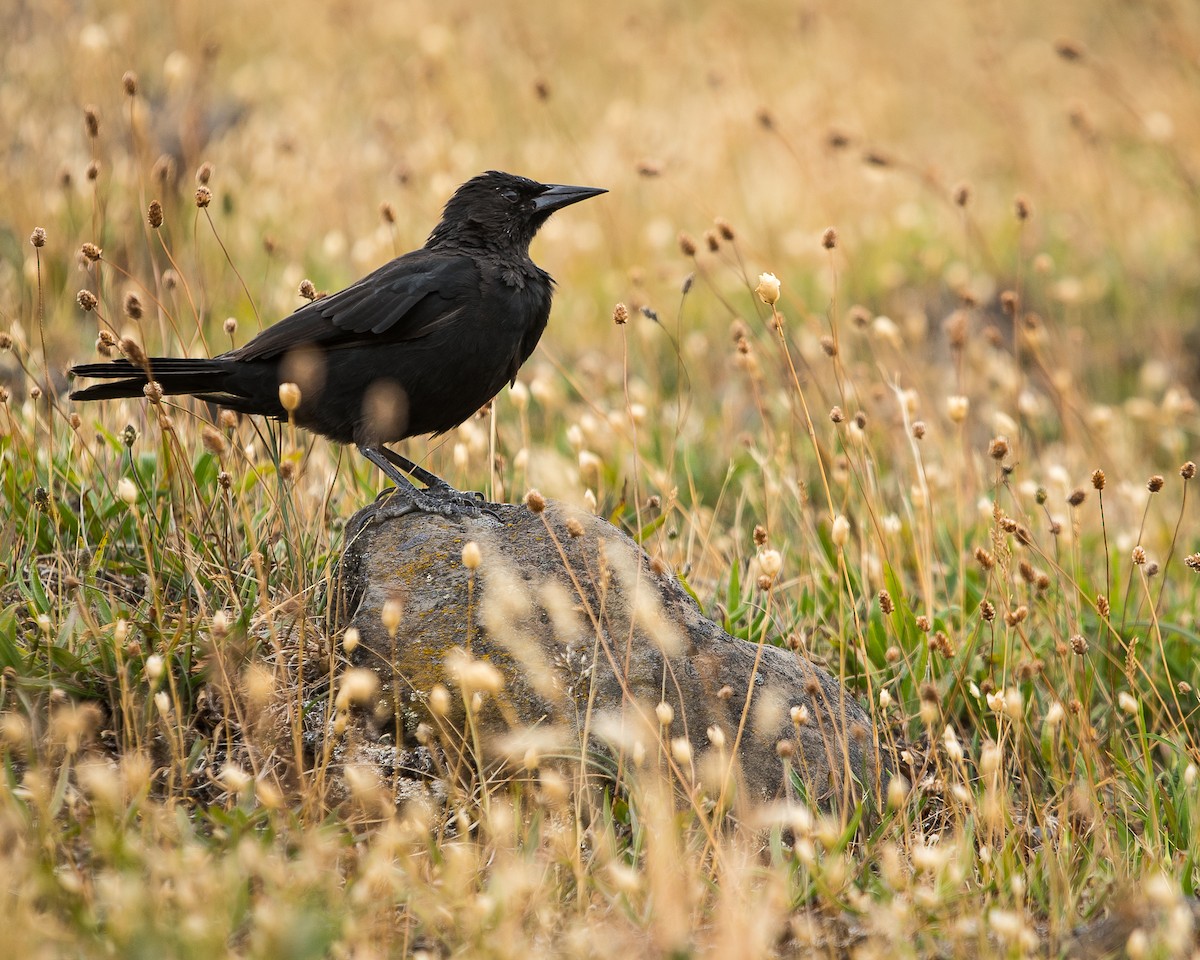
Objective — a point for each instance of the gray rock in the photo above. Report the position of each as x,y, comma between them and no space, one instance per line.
589,638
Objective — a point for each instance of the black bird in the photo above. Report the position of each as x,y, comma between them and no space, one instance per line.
417,347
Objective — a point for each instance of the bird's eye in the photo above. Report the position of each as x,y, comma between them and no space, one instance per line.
511,195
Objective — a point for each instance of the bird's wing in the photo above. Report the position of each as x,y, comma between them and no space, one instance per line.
405,299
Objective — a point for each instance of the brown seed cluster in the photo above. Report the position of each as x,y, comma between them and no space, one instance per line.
1098,479
38,237
535,501
1188,470
620,314
886,604
1155,483
87,300
154,214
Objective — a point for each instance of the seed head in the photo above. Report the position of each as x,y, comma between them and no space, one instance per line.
1022,207
203,196
230,326
153,391
132,306
829,238
127,491
712,240
836,414
760,535
289,396
665,713
1139,555
1193,561
620,314
957,407
93,171
574,528
535,501
998,448
1009,302
1076,496
724,228
91,121
770,563
984,559
768,288
1098,479
923,623
38,237
154,214
1188,470
471,555
1128,703
886,604
130,82
839,532
1068,50
307,290
962,194
859,316
87,300
213,442
918,429
687,245
390,615
1103,606
987,610
204,173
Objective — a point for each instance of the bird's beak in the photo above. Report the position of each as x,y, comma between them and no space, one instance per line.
558,195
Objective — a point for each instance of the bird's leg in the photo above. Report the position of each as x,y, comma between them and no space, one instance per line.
436,484
375,455
406,498
414,470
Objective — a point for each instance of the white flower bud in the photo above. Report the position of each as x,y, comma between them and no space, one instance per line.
768,288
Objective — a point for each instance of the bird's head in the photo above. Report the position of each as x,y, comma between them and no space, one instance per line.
501,211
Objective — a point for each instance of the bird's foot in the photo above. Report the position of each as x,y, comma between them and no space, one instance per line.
440,500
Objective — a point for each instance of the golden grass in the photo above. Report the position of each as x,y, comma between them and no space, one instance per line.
916,427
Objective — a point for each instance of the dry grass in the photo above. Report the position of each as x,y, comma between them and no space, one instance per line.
1007,306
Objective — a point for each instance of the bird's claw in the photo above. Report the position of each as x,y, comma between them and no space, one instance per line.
442,501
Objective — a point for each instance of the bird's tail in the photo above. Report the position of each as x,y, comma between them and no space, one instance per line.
174,374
